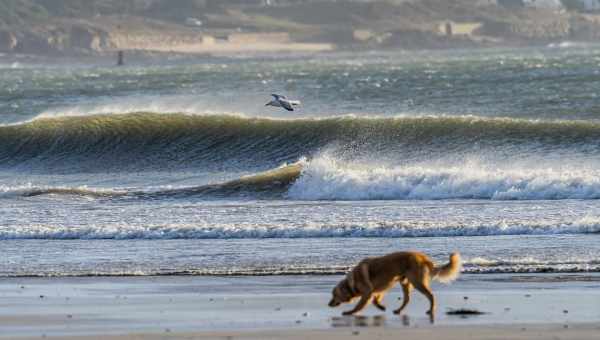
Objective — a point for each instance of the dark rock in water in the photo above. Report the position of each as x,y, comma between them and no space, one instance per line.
527,295
42,296
355,333
465,297
566,311
464,311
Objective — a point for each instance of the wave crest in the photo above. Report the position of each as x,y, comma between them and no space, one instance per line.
163,141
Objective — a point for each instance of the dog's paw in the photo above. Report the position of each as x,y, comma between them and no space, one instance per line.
380,307
348,312
397,311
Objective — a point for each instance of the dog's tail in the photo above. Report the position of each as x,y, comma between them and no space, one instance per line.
450,271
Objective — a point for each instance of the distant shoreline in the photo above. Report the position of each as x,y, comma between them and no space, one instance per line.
263,50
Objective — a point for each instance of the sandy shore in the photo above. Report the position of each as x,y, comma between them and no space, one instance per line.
233,49
291,307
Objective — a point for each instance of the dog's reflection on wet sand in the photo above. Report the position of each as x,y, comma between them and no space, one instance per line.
368,321
358,321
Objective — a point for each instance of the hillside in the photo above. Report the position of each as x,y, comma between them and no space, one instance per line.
205,26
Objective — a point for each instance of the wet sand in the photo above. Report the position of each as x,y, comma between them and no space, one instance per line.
292,307
516,332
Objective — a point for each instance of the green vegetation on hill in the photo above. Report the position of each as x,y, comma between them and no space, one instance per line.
21,11
17,12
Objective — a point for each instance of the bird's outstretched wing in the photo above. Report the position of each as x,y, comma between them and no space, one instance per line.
277,96
286,105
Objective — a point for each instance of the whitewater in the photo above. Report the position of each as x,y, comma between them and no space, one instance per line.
155,169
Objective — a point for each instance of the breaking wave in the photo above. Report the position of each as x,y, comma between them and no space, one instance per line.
325,178
173,141
272,183
347,158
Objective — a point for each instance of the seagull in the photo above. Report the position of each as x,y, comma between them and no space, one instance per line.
282,101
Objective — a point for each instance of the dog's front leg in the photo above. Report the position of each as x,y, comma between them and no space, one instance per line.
360,305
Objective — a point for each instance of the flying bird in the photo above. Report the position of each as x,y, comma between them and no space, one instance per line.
282,101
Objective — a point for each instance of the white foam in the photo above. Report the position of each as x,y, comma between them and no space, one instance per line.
206,230
529,264
567,44
325,178
14,65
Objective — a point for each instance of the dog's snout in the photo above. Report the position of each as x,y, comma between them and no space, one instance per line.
333,303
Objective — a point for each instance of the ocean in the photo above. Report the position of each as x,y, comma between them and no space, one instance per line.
175,166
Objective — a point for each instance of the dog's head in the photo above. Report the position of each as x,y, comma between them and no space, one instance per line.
342,293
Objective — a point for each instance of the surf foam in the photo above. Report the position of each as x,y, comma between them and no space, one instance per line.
326,178
587,225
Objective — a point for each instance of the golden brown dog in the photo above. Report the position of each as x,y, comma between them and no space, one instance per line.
374,276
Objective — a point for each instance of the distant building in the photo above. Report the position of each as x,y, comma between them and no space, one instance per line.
590,5
511,3
8,41
547,4
450,28
582,5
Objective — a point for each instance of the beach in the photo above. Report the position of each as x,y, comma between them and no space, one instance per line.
292,307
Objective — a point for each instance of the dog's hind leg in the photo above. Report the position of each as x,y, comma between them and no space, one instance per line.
423,287
406,287
377,302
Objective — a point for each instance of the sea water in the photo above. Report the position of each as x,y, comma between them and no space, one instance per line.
177,167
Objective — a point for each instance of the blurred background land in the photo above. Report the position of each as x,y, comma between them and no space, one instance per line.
73,27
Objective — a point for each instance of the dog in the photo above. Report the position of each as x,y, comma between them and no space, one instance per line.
374,276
